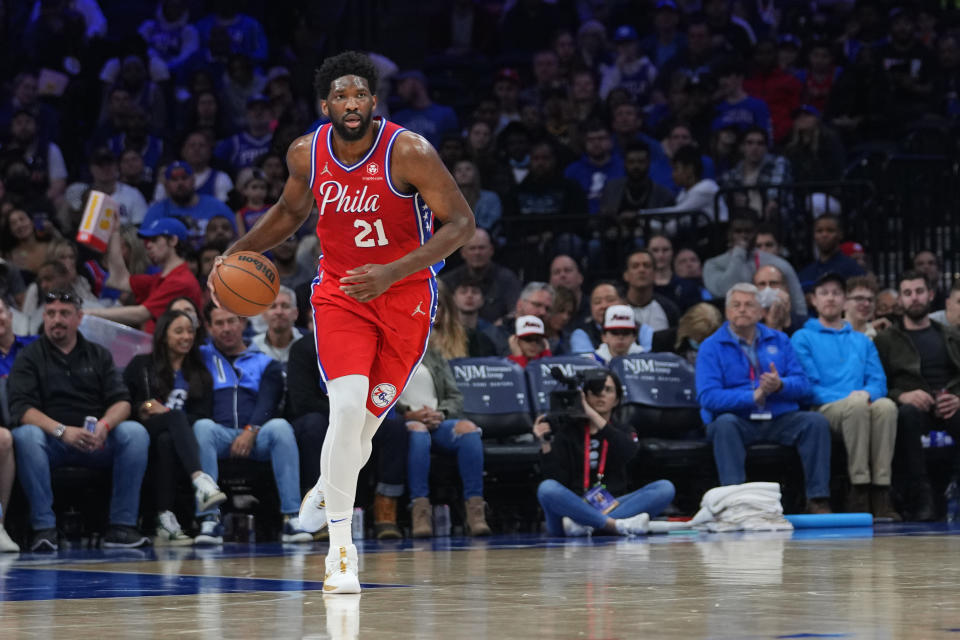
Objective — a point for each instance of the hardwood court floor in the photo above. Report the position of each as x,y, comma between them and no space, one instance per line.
893,582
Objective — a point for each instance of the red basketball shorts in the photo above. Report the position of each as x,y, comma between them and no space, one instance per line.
383,339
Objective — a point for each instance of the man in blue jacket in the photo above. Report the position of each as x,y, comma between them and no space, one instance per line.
749,383
247,389
849,388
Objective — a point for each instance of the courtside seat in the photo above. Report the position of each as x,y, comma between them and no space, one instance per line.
240,478
496,398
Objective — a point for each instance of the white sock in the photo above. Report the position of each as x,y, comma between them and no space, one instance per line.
341,529
342,454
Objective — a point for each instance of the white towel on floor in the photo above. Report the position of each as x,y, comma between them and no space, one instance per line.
753,506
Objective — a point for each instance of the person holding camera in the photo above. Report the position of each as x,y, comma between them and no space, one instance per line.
584,460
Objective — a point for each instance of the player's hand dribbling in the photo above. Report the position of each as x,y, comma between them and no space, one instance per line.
213,274
367,282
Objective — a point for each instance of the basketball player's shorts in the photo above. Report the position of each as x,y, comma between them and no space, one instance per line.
383,339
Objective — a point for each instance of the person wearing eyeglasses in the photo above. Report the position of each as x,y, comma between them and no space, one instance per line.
860,308
55,383
619,337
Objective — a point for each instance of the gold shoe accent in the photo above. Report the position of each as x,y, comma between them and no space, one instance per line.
320,505
343,559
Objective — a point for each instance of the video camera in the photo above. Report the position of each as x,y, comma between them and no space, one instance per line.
566,408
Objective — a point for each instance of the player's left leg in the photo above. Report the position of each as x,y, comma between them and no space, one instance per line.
340,462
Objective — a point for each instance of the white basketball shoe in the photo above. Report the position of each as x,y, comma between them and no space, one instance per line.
313,511
341,575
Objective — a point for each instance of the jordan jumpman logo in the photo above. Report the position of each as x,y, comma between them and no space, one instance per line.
418,310
326,169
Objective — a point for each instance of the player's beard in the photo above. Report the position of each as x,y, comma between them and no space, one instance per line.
351,135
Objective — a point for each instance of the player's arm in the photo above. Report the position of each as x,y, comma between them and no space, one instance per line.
293,207
416,166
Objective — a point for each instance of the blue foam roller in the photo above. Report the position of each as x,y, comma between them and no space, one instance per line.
824,520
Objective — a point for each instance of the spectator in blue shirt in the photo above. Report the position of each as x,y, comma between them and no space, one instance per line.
827,236
486,205
849,387
749,385
248,387
242,149
736,108
183,202
422,116
10,344
667,40
246,34
169,35
598,165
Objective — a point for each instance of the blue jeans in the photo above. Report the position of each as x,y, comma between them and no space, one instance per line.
808,431
38,453
559,502
275,442
469,450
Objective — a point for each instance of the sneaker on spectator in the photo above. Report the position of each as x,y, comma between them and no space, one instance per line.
208,494
211,532
574,529
313,511
44,540
638,525
293,532
341,574
169,533
819,506
121,536
7,545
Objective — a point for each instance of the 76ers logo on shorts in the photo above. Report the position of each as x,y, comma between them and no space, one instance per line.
383,394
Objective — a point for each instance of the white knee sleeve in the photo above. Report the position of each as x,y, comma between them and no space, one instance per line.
342,454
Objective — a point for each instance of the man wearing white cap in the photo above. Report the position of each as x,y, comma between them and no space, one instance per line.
529,341
619,337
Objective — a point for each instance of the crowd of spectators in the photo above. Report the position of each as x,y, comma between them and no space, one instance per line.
579,131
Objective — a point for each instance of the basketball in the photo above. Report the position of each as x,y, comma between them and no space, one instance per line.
246,283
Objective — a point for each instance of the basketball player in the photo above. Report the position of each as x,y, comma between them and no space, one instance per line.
377,187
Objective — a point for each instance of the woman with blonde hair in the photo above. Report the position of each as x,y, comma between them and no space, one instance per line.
65,252
432,407
449,337
696,325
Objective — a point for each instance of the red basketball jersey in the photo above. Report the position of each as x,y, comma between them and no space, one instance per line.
364,218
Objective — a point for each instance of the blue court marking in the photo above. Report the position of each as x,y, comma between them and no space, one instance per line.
67,584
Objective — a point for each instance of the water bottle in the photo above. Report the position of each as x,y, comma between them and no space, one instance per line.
357,524
251,529
952,495
441,520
